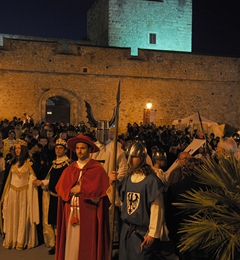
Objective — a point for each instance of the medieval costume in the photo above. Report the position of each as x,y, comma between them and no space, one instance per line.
20,208
82,221
142,207
91,218
50,199
104,156
138,200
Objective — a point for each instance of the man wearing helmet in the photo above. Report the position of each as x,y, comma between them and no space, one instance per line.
142,208
128,148
105,157
106,144
159,158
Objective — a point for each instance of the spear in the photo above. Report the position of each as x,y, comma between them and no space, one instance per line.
201,124
200,120
114,167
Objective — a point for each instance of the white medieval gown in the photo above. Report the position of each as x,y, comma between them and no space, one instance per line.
20,208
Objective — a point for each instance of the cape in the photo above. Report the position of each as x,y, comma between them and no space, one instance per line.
94,220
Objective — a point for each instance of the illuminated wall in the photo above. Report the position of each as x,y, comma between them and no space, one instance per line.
156,25
176,83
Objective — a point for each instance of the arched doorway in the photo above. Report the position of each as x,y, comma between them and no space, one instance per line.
57,110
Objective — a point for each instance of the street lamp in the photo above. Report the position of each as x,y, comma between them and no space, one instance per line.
149,105
146,113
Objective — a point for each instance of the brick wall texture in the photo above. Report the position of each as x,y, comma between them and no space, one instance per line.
176,83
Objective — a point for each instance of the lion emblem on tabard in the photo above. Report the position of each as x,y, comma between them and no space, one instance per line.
133,199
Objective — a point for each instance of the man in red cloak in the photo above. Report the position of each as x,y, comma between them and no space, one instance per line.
82,221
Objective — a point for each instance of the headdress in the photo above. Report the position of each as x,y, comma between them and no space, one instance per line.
82,139
103,126
61,142
21,142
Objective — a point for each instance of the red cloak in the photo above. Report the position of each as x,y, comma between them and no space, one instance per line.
94,220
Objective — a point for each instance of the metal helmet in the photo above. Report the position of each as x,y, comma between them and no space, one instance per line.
102,133
127,149
137,150
159,155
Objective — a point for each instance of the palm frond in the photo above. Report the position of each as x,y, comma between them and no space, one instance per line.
222,174
214,220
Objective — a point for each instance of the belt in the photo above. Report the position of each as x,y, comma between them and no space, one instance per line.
133,230
19,188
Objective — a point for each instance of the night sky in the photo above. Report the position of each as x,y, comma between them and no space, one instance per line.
216,23
216,27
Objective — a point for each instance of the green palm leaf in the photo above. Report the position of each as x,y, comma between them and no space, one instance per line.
214,221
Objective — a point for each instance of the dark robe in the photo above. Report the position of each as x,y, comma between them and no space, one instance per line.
55,173
94,222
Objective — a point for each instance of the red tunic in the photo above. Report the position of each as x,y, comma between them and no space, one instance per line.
94,222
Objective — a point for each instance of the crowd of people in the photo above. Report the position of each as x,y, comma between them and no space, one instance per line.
56,185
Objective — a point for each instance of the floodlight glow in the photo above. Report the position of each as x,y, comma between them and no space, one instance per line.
149,105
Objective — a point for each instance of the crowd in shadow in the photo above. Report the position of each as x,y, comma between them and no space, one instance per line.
165,145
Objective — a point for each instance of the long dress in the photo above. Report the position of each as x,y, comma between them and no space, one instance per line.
20,208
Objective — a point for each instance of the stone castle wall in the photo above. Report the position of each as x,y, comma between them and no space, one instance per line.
97,23
122,23
177,84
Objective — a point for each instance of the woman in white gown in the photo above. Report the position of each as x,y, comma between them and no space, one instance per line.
20,202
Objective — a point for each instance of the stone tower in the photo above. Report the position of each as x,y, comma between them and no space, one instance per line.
141,24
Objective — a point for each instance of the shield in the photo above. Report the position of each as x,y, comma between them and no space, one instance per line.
133,199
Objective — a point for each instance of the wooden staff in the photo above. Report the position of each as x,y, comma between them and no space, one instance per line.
114,167
201,124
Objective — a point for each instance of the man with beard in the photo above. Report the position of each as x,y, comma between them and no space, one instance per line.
82,223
